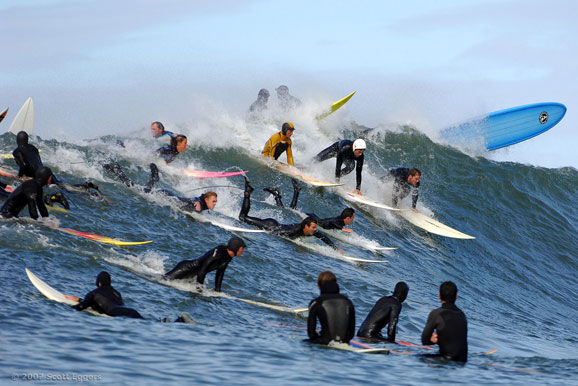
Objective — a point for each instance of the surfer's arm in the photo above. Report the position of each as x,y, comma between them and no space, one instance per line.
312,322
219,277
41,206
414,197
392,327
338,164
325,239
85,303
428,331
358,169
19,159
290,160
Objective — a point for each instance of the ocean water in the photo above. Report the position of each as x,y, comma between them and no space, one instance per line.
517,280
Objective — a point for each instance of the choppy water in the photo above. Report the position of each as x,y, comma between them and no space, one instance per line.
517,279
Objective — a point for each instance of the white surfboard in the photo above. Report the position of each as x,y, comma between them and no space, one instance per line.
335,254
352,197
349,347
24,120
232,228
429,224
55,295
299,175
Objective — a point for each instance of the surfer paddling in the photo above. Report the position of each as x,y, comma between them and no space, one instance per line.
216,259
334,311
405,181
307,227
347,153
447,326
280,143
384,313
174,143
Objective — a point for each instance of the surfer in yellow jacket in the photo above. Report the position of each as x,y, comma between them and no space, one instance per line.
280,142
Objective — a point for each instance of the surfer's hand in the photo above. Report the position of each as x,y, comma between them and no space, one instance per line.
347,230
415,210
340,251
357,191
9,188
198,206
434,338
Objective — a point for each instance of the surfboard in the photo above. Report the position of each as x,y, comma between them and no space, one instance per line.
335,106
299,175
205,174
3,115
5,173
429,224
353,197
507,127
56,295
335,254
205,219
102,239
265,305
24,120
357,347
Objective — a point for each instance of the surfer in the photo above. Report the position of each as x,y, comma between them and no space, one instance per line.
279,143
217,259
338,222
261,103
348,153
286,101
385,311
405,181
207,200
106,300
334,311
450,325
5,190
174,143
307,227
28,193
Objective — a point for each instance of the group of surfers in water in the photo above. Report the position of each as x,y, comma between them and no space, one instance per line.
446,326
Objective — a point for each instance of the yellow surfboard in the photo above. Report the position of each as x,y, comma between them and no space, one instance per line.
335,106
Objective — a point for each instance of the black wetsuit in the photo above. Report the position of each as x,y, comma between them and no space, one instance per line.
107,300
28,193
168,153
401,187
3,192
216,259
290,231
329,222
343,151
451,325
336,316
28,159
385,311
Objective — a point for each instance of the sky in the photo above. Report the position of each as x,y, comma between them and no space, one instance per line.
112,67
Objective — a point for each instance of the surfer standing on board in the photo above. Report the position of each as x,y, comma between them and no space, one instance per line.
334,311
385,311
405,181
279,143
307,227
216,259
28,193
450,325
348,153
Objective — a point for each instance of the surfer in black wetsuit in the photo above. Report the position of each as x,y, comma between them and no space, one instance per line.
334,311
207,200
308,227
450,325
5,190
28,193
348,153
405,180
385,311
338,222
26,156
217,259
106,300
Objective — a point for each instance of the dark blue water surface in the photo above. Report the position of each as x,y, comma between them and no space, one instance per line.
517,280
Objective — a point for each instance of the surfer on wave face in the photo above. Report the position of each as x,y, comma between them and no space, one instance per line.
405,181
348,153
280,143
217,259
175,143
335,312
307,227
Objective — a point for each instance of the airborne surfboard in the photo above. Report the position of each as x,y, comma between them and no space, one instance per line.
24,120
206,174
3,115
335,106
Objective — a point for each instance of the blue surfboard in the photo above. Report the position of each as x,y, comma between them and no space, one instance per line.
506,127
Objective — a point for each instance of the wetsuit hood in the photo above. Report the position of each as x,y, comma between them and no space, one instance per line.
42,175
21,138
400,291
103,279
330,287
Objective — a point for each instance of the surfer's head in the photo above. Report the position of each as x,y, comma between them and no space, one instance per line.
179,142
400,291
210,199
287,129
157,129
347,215
43,175
236,245
103,279
327,282
21,138
414,176
263,94
282,90
309,226
448,292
